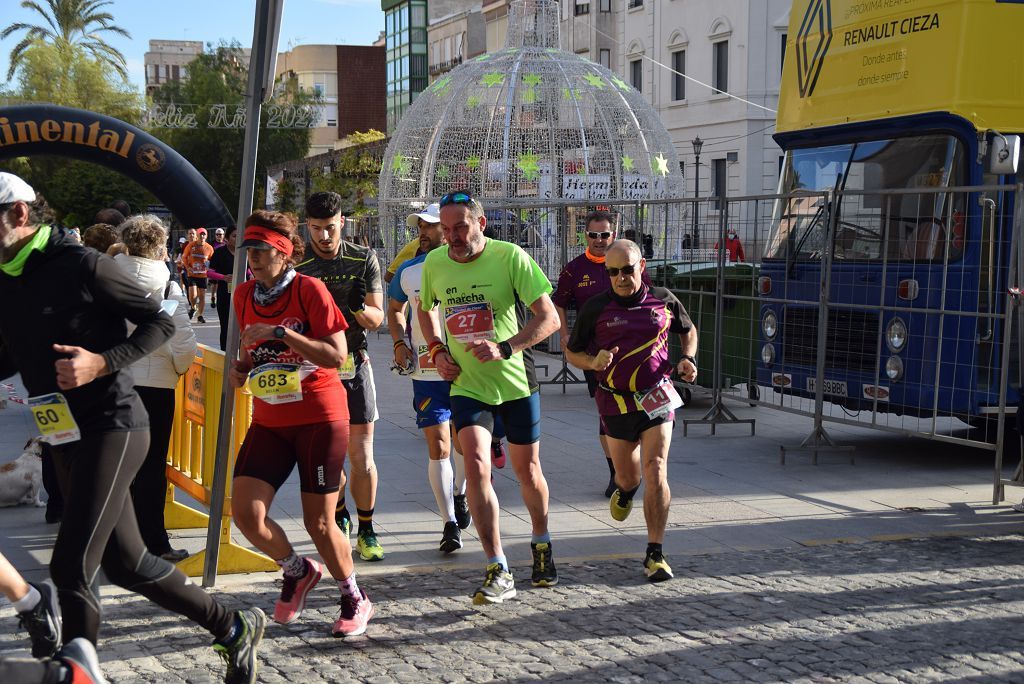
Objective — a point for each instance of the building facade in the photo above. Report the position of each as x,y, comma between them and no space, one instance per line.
455,33
405,36
736,48
167,60
355,103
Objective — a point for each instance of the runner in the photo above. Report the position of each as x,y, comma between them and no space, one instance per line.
431,398
63,328
196,259
221,272
413,248
581,279
629,326
481,286
293,343
352,276
36,606
218,242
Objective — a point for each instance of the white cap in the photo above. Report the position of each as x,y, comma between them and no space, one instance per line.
432,214
13,189
182,241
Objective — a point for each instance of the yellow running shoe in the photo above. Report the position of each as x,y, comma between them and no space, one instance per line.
619,506
369,548
657,568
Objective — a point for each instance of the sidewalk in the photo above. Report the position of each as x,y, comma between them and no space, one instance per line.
738,516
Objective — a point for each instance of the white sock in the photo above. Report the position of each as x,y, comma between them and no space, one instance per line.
460,473
28,601
293,565
440,474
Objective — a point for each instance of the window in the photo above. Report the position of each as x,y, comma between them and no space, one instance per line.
582,7
720,66
606,5
636,3
718,180
605,57
782,53
636,74
678,81
330,117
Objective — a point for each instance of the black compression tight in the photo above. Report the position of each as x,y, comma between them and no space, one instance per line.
99,528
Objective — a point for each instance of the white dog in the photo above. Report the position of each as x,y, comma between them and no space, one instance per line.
21,480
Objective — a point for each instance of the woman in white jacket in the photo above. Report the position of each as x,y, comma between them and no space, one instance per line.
156,375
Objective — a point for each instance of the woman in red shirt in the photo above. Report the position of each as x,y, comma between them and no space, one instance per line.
292,344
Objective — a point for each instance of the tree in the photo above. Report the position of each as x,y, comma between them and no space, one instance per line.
218,77
76,190
67,25
356,172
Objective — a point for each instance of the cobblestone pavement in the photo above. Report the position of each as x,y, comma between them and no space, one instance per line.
920,610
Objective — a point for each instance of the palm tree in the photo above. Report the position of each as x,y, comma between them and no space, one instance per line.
69,24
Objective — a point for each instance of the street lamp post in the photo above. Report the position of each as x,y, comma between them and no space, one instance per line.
697,144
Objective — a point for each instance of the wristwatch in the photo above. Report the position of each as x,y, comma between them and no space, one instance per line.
506,349
690,359
279,332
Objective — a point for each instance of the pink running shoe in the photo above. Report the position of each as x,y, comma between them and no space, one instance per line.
354,616
498,454
293,594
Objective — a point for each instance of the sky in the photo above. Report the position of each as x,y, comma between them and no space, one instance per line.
304,22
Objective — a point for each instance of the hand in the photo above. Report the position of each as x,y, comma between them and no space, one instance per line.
257,332
357,295
604,358
686,370
563,341
446,366
404,358
484,350
82,368
238,374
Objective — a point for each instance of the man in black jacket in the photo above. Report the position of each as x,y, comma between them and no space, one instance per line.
62,326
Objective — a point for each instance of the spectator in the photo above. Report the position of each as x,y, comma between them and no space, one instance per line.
99,236
734,247
156,375
121,206
111,217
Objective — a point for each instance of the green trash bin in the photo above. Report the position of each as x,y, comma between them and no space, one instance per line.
694,283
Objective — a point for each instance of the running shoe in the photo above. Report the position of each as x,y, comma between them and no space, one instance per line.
289,607
191,312
368,546
498,586
43,622
201,319
451,539
619,506
610,489
544,572
240,654
462,516
498,456
657,568
354,616
174,555
80,657
345,523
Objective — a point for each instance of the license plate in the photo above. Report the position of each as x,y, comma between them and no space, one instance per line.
834,388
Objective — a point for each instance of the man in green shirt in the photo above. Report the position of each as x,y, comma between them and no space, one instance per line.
481,288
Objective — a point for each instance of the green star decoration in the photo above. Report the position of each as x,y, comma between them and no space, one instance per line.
659,164
442,83
399,164
620,84
494,78
568,94
443,173
482,58
473,162
529,166
472,101
627,163
595,80
532,80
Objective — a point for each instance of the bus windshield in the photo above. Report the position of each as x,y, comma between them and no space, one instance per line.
877,224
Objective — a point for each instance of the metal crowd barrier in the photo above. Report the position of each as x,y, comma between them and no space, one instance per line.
191,460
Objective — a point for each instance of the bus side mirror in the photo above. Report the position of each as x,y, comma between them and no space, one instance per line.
1004,154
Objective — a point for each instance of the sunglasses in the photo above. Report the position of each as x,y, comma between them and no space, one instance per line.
603,235
456,198
628,269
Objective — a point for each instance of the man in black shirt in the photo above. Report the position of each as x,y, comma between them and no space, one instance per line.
220,271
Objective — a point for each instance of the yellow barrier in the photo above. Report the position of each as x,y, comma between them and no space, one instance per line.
191,459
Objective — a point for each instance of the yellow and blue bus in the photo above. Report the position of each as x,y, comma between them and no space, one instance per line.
900,121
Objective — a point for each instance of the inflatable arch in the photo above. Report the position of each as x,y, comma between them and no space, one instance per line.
31,130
